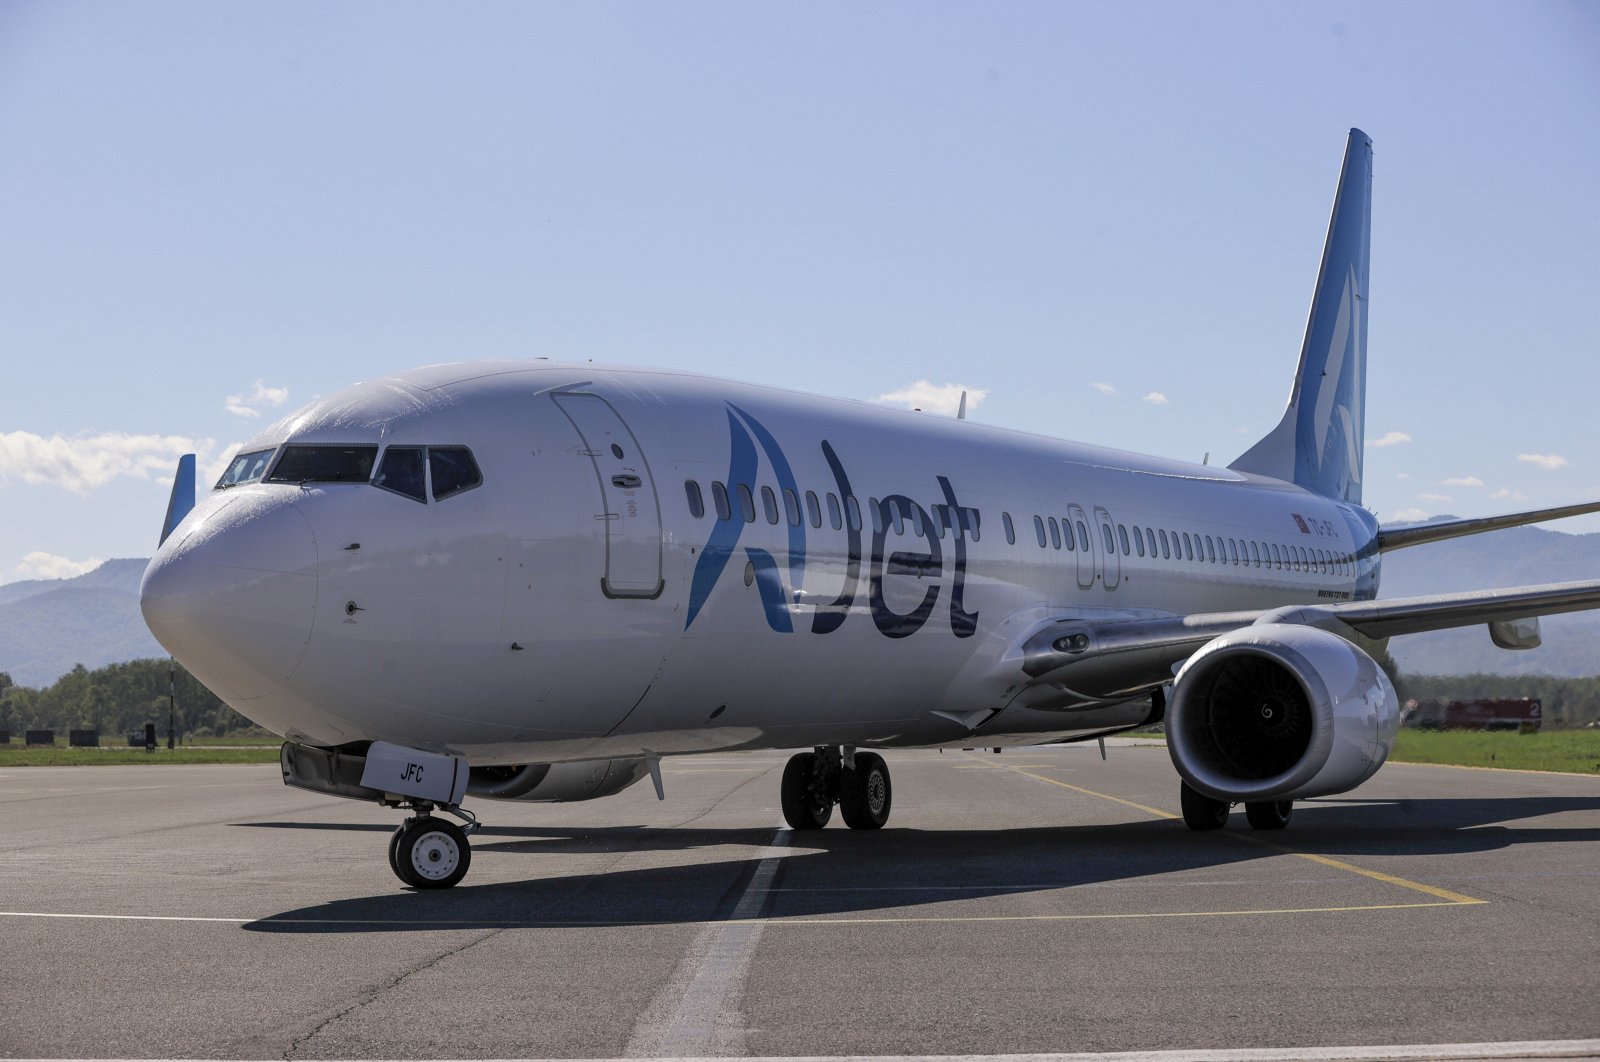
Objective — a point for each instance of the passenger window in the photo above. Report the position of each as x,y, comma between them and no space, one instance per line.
1233,550
1188,547
1122,533
941,518
791,507
1254,555
814,509
1150,542
697,504
973,520
916,524
452,470
1011,534
1055,534
769,502
1166,552
833,512
877,515
852,511
719,498
1066,534
1138,541
1105,538
1277,557
1211,550
1083,537
896,515
747,504
1038,530
401,472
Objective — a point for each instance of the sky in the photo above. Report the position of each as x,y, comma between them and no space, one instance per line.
1103,220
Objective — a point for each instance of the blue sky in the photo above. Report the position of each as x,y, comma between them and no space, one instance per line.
218,210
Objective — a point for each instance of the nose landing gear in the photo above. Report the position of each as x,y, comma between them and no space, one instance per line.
815,781
428,852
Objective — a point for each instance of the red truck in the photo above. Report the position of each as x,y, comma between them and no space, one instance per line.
1524,714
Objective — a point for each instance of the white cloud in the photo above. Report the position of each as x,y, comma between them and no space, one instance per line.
1433,497
1104,388
1393,438
944,399
39,565
260,395
1156,398
1463,481
1408,516
1402,475
1505,492
83,462
1549,462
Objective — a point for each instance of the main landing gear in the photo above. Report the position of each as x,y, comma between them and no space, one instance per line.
1201,812
815,781
428,852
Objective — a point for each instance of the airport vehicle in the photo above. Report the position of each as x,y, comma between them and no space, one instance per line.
532,580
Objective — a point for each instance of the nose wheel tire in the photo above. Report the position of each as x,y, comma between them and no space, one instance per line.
1269,814
430,853
1201,812
865,794
805,805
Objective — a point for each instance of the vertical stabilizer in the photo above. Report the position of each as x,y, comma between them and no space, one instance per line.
1318,443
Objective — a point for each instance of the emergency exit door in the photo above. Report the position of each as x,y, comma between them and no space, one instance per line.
627,501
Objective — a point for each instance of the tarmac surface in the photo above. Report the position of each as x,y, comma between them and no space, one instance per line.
1040,901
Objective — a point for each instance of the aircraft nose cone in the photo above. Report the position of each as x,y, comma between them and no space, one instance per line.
233,598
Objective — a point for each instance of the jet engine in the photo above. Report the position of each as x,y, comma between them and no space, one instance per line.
1280,711
555,782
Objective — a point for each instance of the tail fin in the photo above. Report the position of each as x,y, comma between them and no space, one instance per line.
1318,443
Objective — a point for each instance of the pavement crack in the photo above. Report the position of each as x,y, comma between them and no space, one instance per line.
374,994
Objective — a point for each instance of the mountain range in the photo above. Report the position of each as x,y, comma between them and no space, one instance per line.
48,625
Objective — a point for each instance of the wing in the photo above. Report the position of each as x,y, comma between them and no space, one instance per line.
1073,662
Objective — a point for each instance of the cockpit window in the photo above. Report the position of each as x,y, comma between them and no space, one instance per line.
453,470
401,472
324,464
245,468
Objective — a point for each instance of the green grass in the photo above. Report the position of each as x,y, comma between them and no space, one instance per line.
1570,751
15,755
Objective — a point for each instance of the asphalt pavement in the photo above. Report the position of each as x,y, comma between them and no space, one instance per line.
1040,901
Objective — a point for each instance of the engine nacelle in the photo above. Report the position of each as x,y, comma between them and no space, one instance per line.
556,782
1280,711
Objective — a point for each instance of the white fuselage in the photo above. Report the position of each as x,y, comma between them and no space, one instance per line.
576,605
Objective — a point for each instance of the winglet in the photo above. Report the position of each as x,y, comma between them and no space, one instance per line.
182,498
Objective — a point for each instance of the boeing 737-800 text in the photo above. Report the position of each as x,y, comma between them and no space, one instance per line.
532,580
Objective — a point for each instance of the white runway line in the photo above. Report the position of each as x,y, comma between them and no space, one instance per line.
1505,1052
699,1011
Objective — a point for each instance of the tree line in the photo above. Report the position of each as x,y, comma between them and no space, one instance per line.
117,700
121,698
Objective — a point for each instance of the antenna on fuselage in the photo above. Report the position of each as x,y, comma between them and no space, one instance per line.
961,413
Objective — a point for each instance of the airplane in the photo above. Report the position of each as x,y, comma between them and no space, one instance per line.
531,580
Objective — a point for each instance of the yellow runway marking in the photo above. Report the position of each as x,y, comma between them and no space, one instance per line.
1117,917
1146,808
1452,898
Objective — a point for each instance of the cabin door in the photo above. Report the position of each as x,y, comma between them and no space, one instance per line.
1110,558
627,500
1085,555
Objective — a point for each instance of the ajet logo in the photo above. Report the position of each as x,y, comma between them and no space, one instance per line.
780,585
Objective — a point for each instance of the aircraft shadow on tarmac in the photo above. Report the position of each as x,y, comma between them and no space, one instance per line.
843,873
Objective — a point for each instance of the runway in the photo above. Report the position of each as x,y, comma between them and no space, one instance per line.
1037,902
